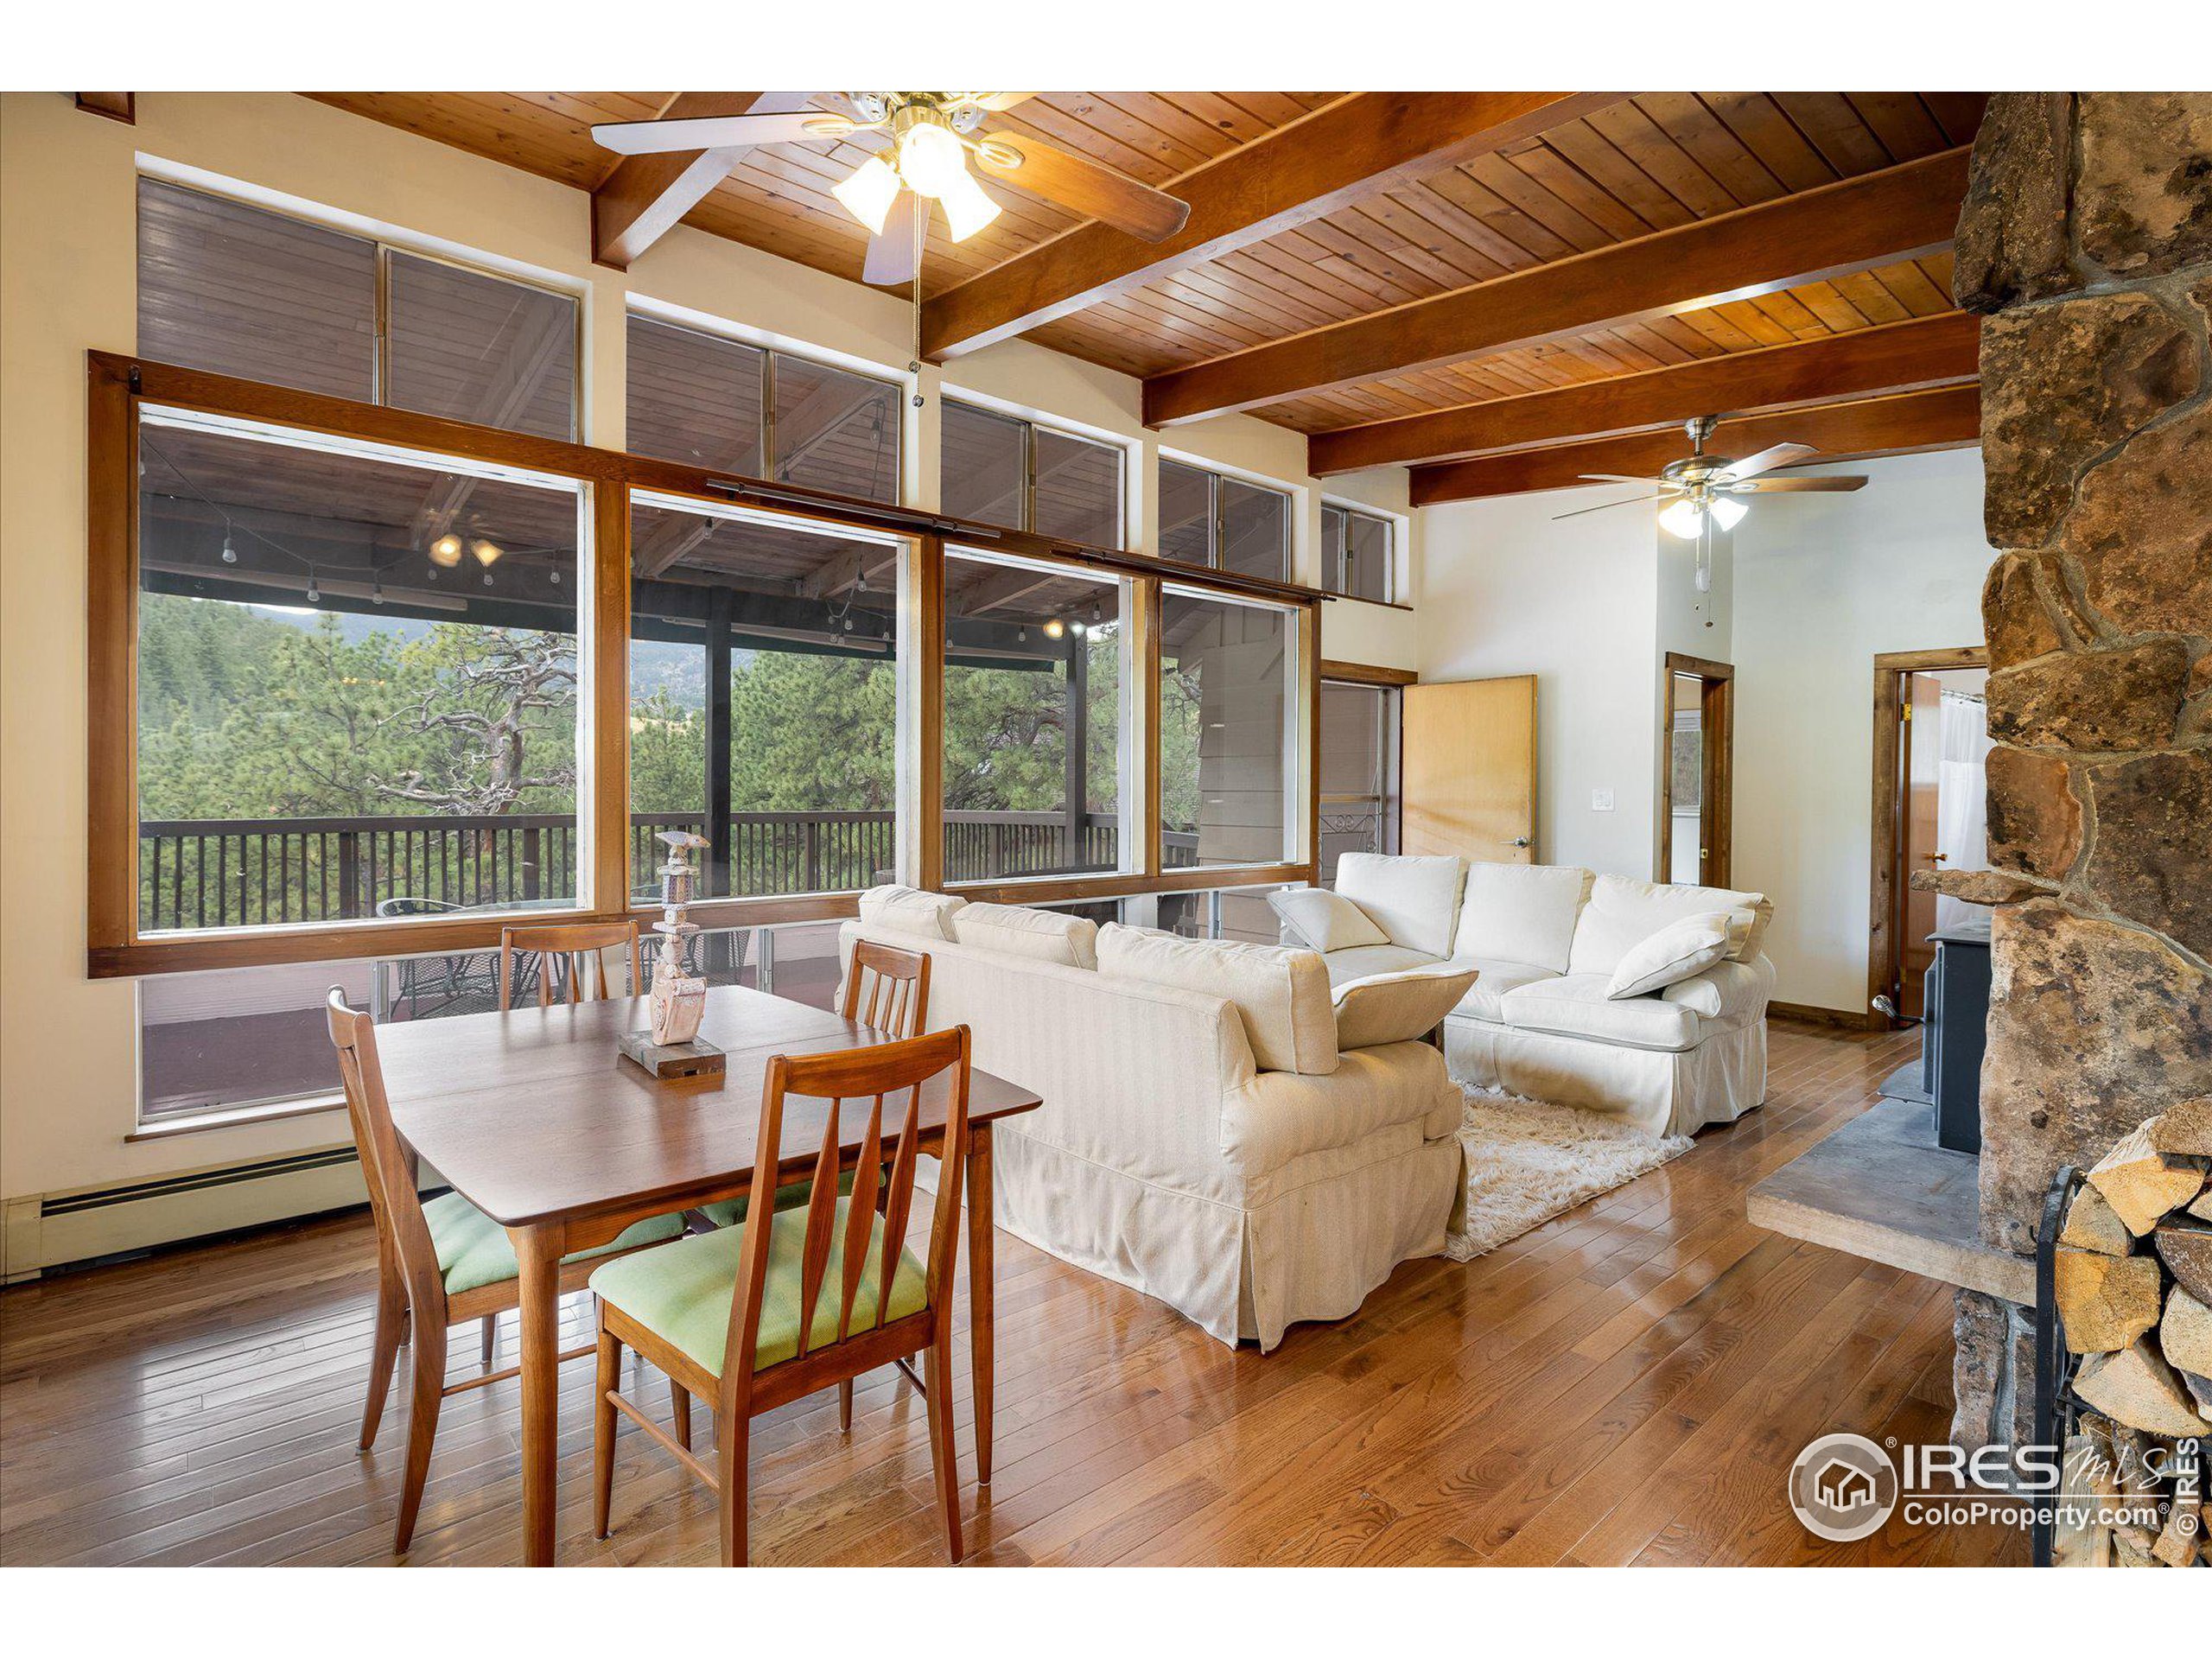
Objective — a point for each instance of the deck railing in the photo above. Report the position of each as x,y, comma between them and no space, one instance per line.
205,873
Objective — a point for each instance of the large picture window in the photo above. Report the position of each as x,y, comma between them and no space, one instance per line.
367,684
357,689
1034,678
261,295
763,698
998,469
1221,523
1227,750
721,404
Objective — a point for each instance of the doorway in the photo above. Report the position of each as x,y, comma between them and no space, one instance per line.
1696,751
1931,744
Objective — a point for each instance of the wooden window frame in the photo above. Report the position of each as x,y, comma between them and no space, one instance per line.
117,384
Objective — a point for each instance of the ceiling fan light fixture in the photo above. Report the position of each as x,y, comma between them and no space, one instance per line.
968,207
1728,513
868,193
487,553
932,158
446,550
1686,518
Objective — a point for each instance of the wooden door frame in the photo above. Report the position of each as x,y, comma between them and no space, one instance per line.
1716,762
1884,894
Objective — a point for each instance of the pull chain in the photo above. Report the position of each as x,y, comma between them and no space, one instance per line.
921,233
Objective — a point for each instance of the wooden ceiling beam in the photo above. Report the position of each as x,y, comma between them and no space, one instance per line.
1900,212
1362,144
1946,417
1894,357
644,197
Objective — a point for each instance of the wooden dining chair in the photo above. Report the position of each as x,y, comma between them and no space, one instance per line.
439,1264
584,940
888,990
754,1317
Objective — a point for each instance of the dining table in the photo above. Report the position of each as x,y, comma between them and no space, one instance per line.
534,1117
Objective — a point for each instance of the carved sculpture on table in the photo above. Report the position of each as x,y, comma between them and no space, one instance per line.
672,1048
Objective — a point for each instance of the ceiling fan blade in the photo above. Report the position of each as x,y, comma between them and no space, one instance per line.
1001,100
892,258
1621,478
1781,454
1602,507
1082,186
709,132
1837,485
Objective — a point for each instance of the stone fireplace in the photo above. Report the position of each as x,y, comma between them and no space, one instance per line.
2086,242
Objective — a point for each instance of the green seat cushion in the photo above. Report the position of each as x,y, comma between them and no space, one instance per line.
728,1212
473,1248
682,1292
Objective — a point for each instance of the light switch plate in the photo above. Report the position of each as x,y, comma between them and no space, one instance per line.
1601,800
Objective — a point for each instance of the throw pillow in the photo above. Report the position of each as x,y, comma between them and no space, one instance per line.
1673,953
1325,920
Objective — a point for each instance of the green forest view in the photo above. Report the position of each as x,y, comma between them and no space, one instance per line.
254,713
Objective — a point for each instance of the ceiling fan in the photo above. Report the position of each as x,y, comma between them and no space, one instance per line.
928,140
1700,486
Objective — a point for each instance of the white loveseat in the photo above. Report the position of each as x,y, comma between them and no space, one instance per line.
1545,1017
1203,1139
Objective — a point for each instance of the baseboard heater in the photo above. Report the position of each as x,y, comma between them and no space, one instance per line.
68,1230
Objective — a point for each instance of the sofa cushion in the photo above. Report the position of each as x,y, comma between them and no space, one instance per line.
1521,912
1726,991
1400,1008
1325,921
1018,931
1676,952
909,910
1496,977
1623,912
1281,994
1576,1005
1416,901
1364,962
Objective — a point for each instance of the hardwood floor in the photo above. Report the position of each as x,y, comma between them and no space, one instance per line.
1626,1384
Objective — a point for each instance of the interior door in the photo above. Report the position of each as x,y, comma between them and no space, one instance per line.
1469,769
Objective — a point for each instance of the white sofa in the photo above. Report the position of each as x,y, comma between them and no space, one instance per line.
1203,1139
1545,1017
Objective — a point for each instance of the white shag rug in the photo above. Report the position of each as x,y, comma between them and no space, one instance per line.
1528,1160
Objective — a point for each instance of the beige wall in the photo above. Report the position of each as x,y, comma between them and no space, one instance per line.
68,236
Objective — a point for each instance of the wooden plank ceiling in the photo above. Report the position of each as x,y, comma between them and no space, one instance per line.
1630,169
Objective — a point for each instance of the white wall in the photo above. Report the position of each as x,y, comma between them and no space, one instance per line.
1822,582
1588,605
68,225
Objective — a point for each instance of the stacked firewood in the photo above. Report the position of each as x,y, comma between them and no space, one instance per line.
2134,1292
